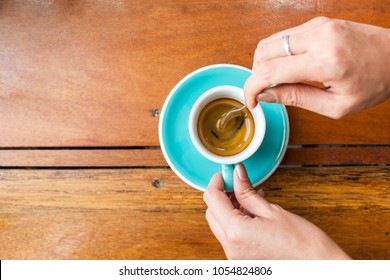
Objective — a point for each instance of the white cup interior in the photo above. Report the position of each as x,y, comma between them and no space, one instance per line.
235,93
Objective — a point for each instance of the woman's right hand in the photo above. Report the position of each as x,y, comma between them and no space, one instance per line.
351,60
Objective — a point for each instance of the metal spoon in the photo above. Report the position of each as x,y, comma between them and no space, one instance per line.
236,112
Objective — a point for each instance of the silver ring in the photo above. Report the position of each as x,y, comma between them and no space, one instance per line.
286,44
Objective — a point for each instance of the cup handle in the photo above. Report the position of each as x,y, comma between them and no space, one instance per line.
227,176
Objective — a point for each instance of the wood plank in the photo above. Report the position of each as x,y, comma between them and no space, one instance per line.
337,156
155,158
88,73
118,214
368,127
82,158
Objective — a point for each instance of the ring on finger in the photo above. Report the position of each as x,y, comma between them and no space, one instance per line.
286,44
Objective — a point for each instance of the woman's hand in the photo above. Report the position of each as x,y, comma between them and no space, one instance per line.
262,230
350,59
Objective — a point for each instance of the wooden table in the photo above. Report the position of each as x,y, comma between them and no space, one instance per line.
82,175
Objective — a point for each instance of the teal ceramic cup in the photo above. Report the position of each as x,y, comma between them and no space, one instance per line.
227,162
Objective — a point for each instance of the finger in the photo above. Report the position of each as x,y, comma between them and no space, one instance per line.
311,24
272,46
217,200
215,227
234,201
304,96
246,212
217,230
261,192
247,195
290,69
298,44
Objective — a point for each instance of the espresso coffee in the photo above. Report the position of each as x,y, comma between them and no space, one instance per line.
231,139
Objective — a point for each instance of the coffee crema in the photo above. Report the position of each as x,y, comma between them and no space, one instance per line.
234,137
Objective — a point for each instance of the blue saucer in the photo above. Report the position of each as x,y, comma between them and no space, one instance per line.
176,145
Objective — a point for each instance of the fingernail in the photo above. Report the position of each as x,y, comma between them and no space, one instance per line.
267,96
241,172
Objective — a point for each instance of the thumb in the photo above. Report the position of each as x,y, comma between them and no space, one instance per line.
304,96
246,195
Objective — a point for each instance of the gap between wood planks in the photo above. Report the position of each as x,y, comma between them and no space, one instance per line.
152,157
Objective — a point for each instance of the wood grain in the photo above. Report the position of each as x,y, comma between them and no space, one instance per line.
78,78
118,214
154,158
88,73
82,158
337,156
